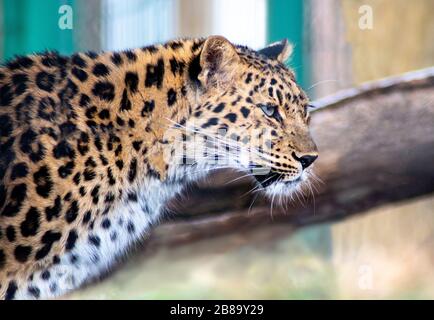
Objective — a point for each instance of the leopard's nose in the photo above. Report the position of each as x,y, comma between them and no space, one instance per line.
305,160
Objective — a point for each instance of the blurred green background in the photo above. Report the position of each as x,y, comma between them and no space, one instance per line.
31,26
357,258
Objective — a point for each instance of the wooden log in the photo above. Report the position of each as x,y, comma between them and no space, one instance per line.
376,146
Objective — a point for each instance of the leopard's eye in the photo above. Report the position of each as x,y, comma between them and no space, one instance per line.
269,109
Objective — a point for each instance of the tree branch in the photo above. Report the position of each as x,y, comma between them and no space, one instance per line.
376,147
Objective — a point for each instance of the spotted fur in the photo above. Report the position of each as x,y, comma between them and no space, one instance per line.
88,147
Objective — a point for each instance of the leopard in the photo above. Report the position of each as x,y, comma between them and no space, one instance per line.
94,145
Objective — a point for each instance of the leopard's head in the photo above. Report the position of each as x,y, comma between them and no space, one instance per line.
250,114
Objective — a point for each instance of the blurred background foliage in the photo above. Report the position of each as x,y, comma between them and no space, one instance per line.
391,246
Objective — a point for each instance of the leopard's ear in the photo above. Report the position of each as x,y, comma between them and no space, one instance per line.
280,51
218,61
